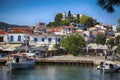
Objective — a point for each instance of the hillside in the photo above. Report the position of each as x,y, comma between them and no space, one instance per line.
5,26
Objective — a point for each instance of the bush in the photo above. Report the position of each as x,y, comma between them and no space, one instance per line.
59,52
75,54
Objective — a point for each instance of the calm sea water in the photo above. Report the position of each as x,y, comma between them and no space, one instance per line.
57,73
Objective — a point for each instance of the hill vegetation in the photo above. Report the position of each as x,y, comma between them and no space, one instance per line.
5,26
61,19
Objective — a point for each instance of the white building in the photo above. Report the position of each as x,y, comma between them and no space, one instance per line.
18,35
114,28
63,30
64,16
116,34
44,39
3,37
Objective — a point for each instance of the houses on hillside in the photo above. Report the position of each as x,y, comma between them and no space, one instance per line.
42,36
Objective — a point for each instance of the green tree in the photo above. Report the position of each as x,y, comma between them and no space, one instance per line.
109,5
69,15
87,21
65,22
50,24
118,29
118,49
73,43
100,39
110,43
117,40
78,16
77,21
58,19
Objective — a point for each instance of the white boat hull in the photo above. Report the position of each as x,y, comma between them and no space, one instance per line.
21,65
109,70
108,67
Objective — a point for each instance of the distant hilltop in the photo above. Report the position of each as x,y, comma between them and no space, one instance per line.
5,26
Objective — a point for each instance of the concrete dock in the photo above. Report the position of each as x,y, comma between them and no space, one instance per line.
67,59
73,60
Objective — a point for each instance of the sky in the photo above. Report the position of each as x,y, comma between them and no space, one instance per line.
30,12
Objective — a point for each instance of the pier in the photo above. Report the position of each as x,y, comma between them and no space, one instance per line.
66,60
70,60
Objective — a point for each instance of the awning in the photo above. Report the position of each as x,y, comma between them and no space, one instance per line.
51,48
40,48
95,46
1,48
9,49
24,48
28,54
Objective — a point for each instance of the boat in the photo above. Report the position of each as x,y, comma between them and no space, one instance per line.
108,66
21,61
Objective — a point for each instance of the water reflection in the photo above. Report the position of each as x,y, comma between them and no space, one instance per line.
57,73
112,76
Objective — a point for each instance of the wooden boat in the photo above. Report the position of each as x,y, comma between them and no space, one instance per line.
21,61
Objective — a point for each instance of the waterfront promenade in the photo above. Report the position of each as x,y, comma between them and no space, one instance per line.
68,59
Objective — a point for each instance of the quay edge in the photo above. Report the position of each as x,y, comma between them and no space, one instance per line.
93,61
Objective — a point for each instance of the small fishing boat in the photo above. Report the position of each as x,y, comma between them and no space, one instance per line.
107,66
21,61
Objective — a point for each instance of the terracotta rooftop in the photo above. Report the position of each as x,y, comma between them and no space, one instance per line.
57,29
95,32
2,32
20,30
67,26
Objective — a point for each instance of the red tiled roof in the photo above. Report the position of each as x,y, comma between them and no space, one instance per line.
101,30
20,30
57,29
2,32
49,30
67,27
95,33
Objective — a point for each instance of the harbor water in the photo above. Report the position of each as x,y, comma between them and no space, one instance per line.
54,72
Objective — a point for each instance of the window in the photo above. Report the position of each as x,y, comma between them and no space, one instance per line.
69,29
35,40
42,39
19,38
1,39
58,39
49,40
11,38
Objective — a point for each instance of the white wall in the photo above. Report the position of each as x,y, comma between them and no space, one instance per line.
46,37
116,34
15,35
5,38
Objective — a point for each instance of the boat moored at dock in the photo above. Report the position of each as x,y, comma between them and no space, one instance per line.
21,61
108,66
